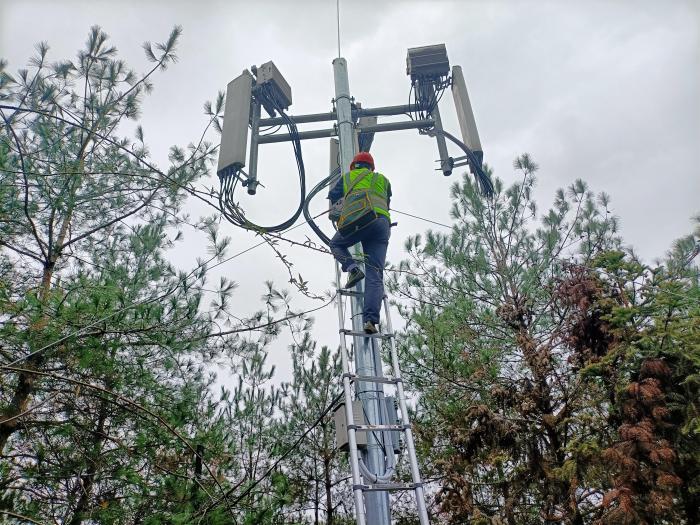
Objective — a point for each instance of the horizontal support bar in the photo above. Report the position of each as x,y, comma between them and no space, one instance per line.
324,133
379,428
299,119
343,291
303,135
373,379
377,487
356,113
385,111
395,126
355,333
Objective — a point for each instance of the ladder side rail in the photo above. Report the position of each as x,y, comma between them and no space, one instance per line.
408,433
349,416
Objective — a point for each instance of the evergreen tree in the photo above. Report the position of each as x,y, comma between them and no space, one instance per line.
249,415
501,408
648,368
317,471
104,393
558,376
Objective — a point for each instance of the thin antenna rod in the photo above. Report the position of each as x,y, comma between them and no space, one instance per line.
337,10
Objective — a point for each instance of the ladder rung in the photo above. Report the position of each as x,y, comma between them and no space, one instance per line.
353,293
362,334
385,487
374,379
372,428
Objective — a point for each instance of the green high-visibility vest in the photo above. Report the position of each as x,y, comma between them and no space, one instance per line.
376,182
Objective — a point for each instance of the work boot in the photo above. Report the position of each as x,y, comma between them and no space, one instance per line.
371,328
355,276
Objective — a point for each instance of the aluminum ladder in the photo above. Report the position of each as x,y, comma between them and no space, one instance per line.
359,485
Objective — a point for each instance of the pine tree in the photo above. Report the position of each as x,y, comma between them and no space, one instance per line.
249,415
104,392
317,470
501,410
650,368
558,375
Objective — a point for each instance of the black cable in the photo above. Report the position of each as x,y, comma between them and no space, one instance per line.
437,89
427,93
410,92
277,128
394,210
314,191
229,181
438,95
482,179
379,440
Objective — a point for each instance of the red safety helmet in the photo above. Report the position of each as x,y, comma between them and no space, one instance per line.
362,156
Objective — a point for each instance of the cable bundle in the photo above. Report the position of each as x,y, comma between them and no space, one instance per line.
482,179
331,179
425,94
229,182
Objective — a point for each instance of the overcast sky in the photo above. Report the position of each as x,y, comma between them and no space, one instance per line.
606,91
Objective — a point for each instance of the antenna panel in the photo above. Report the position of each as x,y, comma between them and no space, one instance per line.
465,115
234,135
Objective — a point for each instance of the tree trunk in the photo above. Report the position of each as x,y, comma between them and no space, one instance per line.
328,484
197,476
87,480
317,500
26,380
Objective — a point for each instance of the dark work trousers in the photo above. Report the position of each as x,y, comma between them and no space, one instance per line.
375,240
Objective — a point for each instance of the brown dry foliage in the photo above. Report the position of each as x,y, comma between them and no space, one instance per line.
643,461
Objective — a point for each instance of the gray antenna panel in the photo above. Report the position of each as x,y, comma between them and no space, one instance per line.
364,138
465,115
234,136
334,155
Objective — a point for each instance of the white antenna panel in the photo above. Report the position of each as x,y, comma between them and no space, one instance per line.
234,136
465,115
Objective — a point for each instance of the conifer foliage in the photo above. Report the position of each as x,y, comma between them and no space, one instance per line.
109,410
104,394
556,377
548,361
318,471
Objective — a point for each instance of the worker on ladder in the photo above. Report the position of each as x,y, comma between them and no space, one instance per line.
360,207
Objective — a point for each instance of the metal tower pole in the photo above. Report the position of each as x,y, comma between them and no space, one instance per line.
445,161
376,503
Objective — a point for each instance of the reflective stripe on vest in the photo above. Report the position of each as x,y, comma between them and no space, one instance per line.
376,182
